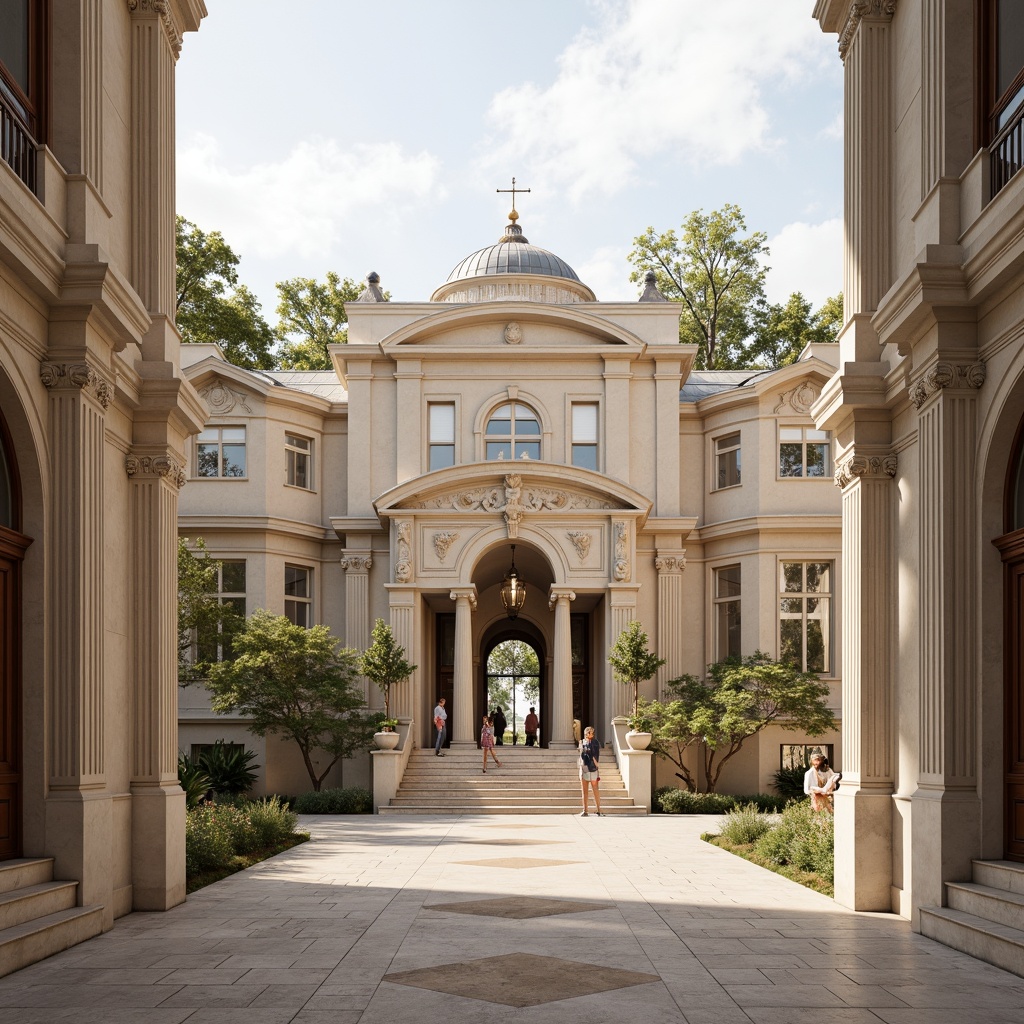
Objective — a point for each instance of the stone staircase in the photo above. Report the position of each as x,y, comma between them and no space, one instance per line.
532,780
983,917
38,916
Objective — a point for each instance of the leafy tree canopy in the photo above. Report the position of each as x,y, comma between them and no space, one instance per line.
210,304
384,663
781,331
735,700
311,317
298,684
513,662
716,271
631,661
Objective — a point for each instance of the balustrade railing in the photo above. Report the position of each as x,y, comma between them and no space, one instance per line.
17,147
1007,151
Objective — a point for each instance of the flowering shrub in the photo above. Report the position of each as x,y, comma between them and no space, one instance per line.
207,839
745,824
802,838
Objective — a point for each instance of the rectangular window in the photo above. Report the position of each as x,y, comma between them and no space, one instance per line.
215,645
24,82
220,452
805,615
584,435
727,612
805,452
442,434
798,755
298,595
1000,109
727,461
299,455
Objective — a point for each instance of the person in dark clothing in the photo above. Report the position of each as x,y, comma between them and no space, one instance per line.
500,725
530,726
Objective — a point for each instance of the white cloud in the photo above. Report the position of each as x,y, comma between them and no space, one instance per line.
656,77
806,258
606,273
303,203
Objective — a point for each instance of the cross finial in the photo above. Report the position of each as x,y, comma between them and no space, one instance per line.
513,190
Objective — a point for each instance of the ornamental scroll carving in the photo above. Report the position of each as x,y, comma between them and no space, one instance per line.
495,499
581,541
162,466
160,8
800,399
76,375
621,569
221,400
963,376
443,543
403,551
356,563
865,466
860,10
670,563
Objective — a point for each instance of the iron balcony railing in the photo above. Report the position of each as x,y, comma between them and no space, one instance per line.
1007,151
17,147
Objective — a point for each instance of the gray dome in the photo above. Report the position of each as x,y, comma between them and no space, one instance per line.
512,258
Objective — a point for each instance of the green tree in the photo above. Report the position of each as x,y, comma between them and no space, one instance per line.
383,662
201,616
298,684
206,311
716,272
632,663
510,663
735,700
311,317
781,331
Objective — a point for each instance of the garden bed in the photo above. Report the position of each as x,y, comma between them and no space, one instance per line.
240,862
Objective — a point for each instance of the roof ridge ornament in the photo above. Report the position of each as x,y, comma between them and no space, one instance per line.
651,292
372,292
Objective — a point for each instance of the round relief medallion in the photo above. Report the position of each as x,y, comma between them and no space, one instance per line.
513,333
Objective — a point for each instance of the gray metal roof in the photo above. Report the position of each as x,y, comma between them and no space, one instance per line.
322,383
512,258
704,383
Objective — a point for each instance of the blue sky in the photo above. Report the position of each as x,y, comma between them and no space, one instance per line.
375,137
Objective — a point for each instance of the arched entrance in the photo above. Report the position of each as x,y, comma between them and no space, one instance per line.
1011,548
508,675
13,544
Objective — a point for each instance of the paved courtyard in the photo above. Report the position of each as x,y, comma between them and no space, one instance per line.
532,919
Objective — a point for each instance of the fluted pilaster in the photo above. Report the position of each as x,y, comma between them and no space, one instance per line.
403,626
670,565
357,566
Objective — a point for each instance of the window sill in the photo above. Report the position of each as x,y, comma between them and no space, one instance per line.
296,487
727,487
219,479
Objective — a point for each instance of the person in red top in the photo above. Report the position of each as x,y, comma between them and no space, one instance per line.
530,726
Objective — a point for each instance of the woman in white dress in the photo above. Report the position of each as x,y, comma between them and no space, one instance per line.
820,783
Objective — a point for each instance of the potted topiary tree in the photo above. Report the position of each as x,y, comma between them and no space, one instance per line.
384,664
632,663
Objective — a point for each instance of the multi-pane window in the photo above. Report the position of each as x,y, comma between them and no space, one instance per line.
299,457
727,460
798,755
24,71
513,432
220,451
727,612
805,452
442,434
805,615
584,435
215,644
298,595
1000,38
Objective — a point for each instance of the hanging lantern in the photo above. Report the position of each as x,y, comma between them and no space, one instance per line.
513,590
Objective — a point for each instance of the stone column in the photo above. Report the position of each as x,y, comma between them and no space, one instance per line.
78,810
357,564
864,803
670,565
460,718
945,806
561,674
158,804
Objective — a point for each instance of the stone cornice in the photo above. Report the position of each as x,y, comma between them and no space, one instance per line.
880,10
942,375
76,376
857,465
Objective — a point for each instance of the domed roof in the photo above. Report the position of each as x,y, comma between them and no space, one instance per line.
512,254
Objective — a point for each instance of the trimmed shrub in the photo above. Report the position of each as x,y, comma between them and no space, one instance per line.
350,800
271,820
208,842
802,838
670,800
746,824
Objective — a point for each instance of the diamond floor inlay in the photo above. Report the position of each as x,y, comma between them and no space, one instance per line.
518,908
516,862
520,979
498,841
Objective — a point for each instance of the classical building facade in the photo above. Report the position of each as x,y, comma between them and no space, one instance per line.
93,417
514,409
926,410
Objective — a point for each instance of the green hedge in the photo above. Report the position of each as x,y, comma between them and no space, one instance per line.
669,800
350,800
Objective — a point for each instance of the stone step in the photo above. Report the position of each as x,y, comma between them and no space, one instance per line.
997,944
22,871
518,800
997,905
999,874
447,810
35,901
27,943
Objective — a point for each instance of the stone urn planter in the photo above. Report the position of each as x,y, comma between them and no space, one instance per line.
386,740
638,740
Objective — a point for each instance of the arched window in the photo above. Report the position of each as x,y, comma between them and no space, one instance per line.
513,432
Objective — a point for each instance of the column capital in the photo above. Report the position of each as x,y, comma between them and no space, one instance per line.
873,10
466,593
670,561
80,376
141,463
556,594
352,562
859,463
964,376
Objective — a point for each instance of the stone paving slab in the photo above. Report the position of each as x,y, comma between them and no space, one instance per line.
386,920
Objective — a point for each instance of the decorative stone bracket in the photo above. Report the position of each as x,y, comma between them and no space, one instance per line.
76,375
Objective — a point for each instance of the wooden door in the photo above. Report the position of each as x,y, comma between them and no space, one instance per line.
1012,549
12,551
